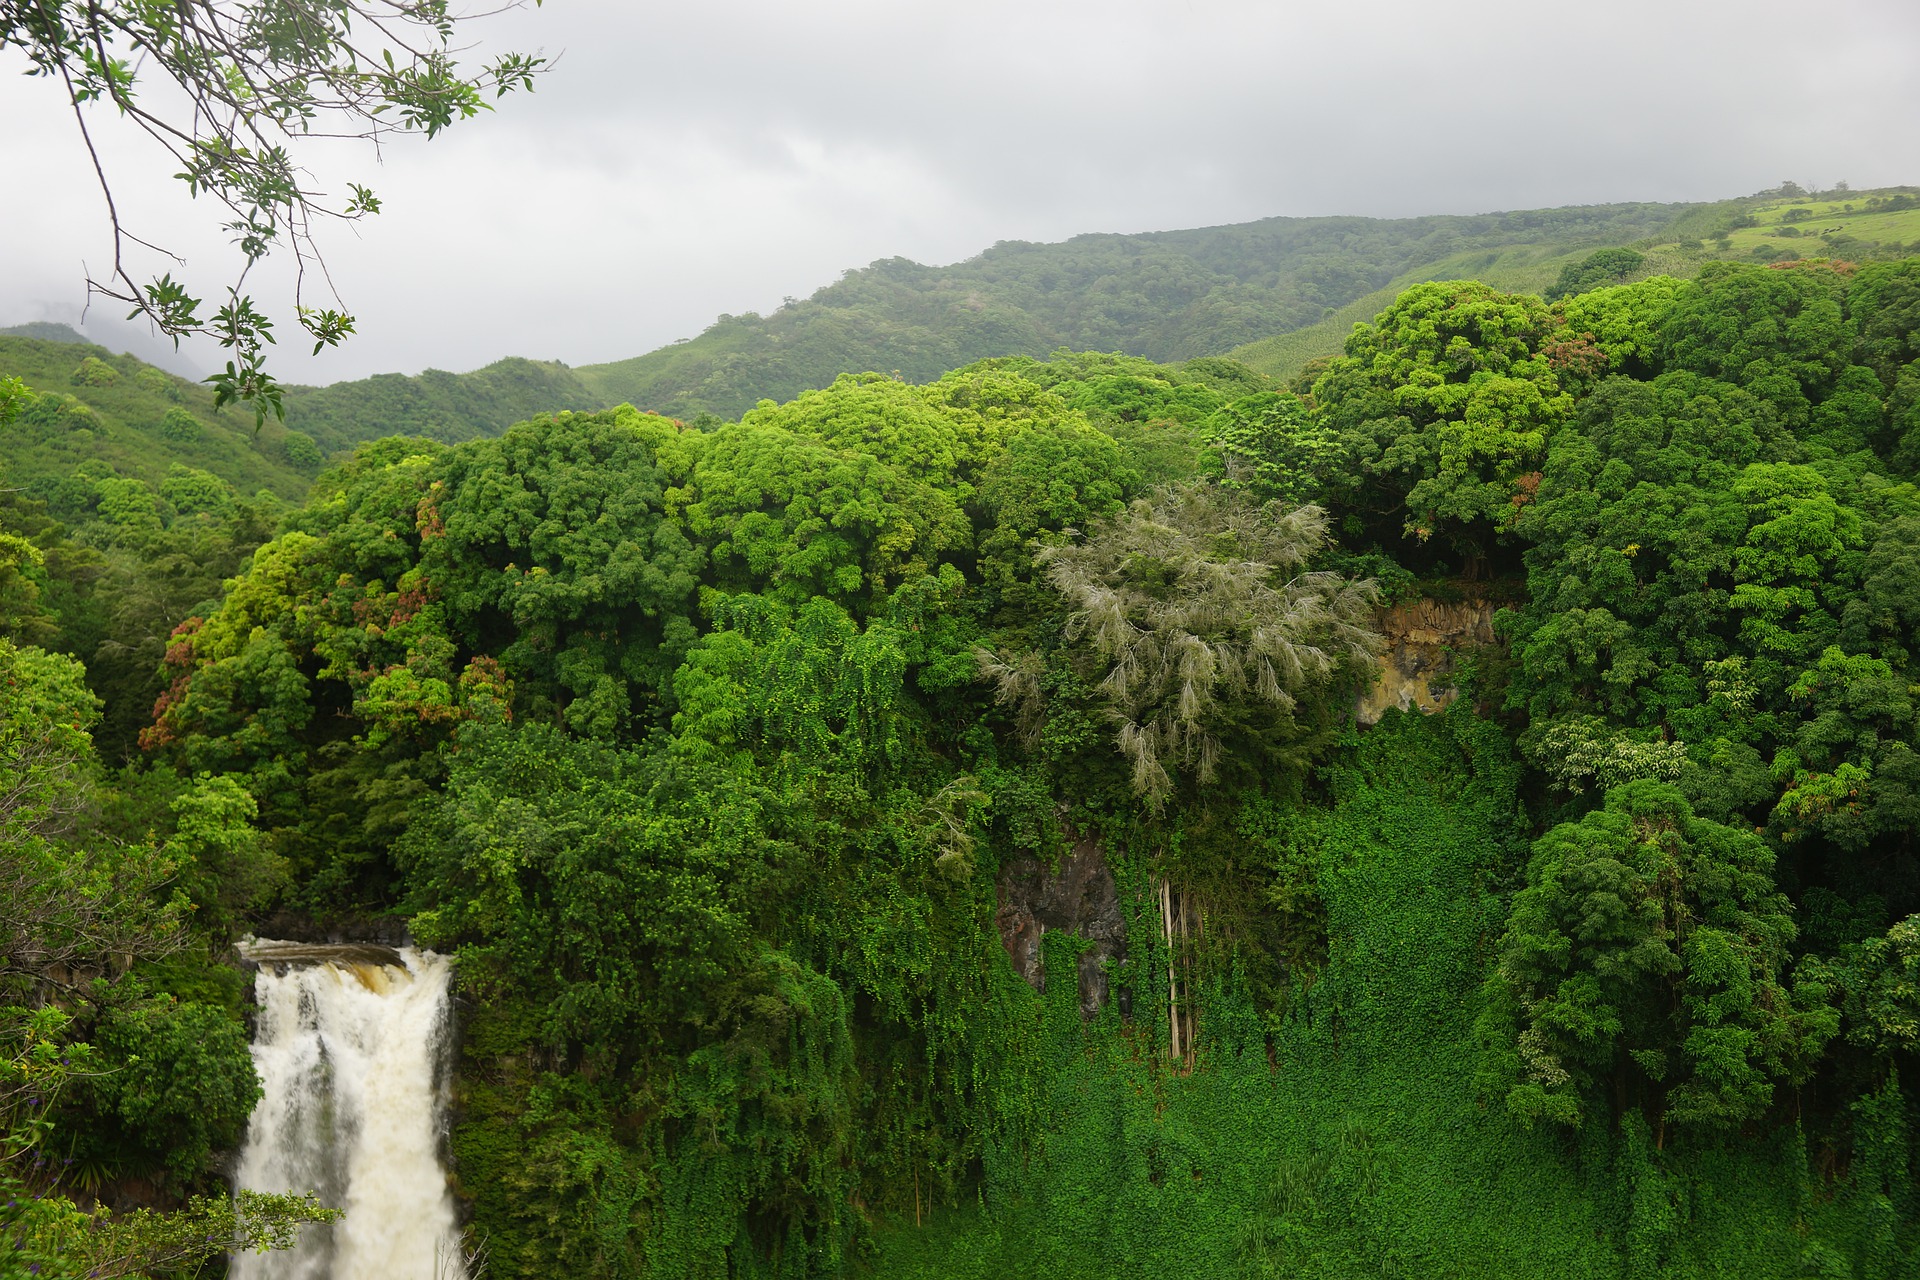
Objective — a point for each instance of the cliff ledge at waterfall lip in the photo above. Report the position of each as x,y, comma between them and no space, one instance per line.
271,950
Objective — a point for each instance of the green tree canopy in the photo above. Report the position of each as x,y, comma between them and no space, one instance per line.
1601,267
1441,407
1649,954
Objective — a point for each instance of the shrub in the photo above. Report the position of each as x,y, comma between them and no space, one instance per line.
181,1087
180,426
152,379
62,413
302,453
1601,267
95,372
193,492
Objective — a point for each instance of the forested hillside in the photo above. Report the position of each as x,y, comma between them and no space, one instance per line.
925,830
127,501
438,405
123,405
449,407
1274,295
1168,296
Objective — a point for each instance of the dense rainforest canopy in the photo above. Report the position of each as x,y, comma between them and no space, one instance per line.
725,756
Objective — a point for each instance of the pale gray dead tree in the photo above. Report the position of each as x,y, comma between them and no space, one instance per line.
1192,604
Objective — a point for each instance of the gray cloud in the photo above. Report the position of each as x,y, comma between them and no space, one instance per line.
689,160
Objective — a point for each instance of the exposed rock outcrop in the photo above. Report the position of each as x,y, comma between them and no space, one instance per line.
1424,638
385,931
1078,895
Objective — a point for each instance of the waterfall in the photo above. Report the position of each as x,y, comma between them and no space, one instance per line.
348,1047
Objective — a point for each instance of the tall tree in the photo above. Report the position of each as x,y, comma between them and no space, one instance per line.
1648,955
1201,624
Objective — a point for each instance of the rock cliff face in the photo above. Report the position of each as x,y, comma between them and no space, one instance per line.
1080,896
384,931
1423,638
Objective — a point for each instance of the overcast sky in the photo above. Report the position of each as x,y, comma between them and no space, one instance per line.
687,160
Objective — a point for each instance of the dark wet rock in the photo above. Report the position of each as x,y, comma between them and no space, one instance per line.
385,931
282,952
1079,896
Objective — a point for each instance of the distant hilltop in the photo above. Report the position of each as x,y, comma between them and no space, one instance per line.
1273,294
44,331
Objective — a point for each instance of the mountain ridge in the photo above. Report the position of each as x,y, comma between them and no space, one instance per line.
1166,295
1273,293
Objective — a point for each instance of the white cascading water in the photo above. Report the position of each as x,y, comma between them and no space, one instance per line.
348,1047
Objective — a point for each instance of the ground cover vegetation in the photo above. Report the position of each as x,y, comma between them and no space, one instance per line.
717,752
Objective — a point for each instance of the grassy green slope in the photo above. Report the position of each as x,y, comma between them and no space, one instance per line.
1168,296
118,423
1766,228
1285,354
1520,268
1838,224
